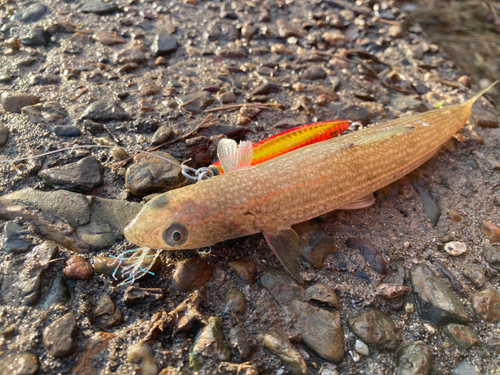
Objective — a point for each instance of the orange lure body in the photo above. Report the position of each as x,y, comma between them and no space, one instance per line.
293,139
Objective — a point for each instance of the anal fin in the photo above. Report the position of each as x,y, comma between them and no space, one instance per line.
366,201
233,156
286,245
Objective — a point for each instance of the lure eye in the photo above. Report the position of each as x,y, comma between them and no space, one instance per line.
175,235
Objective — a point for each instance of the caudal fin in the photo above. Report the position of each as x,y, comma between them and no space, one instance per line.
481,93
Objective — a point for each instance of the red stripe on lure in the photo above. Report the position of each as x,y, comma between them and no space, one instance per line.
293,139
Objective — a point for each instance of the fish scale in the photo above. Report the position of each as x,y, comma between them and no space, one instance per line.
297,186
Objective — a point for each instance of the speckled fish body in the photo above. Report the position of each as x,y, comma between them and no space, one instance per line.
297,186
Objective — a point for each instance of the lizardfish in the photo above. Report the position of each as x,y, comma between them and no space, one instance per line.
300,185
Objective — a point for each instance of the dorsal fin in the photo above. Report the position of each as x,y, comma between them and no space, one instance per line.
233,156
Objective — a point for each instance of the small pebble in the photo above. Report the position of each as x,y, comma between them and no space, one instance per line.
234,302
142,356
58,337
391,290
13,102
78,269
454,216
455,248
361,348
486,304
491,231
191,274
475,275
245,269
4,135
279,345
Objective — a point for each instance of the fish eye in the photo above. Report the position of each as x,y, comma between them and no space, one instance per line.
175,235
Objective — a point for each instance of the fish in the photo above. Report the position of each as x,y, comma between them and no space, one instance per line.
272,196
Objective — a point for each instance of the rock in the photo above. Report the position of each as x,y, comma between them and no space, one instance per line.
196,102
164,44
227,368
222,31
108,39
414,358
115,213
82,176
491,231
93,346
462,336
32,13
23,277
375,328
242,341
431,208
150,174
34,36
333,37
134,295
134,55
209,344
191,274
265,88
475,275
150,89
103,111
282,287
99,7
13,102
48,112
492,256
71,207
5,78
19,364
313,73
15,236
397,31
435,302
54,214
356,113
454,216
361,348
58,337
58,294
370,253
245,269
391,291
108,265
97,235
486,304
142,355
162,134
248,31
107,315
78,269
322,293
4,135
287,29
316,244
455,248
227,97
279,345
484,117
234,302
465,368
321,330
67,131
494,163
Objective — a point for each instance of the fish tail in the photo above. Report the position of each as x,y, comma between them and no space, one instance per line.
481,93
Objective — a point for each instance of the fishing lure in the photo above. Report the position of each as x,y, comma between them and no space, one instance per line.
271,147
294,187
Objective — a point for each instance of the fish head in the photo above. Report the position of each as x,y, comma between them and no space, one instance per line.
174,221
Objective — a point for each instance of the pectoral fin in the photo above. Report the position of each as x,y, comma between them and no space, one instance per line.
363,202
233,156
286,245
